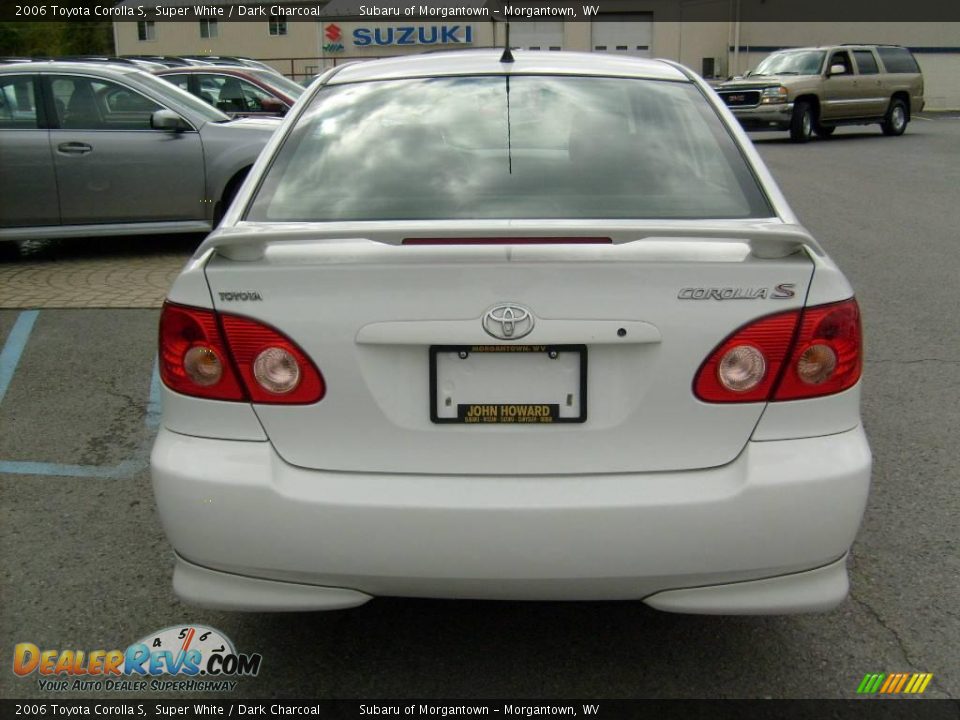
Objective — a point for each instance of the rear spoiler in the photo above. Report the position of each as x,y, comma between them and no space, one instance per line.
246,242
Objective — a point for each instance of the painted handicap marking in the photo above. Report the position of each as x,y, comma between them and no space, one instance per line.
9,360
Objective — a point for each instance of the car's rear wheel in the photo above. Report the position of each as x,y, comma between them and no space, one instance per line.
824,131
9,250
228,193
801,124
895,121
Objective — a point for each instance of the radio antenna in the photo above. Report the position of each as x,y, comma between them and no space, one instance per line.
507,56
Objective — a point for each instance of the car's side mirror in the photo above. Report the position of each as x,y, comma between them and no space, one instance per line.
837,69
272,105
167,120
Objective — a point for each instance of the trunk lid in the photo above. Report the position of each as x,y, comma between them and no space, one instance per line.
645,309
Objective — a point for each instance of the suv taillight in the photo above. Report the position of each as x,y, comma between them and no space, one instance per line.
795,354
226,357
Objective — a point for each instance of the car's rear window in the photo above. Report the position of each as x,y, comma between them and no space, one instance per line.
523,147
898,60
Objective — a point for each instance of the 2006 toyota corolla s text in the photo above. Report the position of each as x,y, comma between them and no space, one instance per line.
541,329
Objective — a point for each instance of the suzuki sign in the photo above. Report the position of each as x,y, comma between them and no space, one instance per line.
413,35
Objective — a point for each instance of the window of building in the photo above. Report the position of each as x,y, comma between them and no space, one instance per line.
624,33
536,35
209,29
277,26
146,30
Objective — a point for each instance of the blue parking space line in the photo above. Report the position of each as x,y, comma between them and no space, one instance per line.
10,358
108,472
13,347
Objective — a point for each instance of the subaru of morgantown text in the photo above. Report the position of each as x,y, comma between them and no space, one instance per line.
538,327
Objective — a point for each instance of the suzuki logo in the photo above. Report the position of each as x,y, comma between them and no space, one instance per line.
333,32
508,322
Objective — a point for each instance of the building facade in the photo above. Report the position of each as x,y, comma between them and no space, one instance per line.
715,49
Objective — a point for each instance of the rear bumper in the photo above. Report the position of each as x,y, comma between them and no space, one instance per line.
253,533
815,590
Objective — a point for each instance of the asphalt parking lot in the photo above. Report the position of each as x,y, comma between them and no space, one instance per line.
84,563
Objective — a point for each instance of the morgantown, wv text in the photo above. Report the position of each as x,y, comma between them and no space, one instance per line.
449,11
509,710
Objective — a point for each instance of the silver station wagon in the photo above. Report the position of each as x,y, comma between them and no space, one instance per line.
534,327
102,149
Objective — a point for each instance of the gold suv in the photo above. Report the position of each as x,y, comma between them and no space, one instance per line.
813,90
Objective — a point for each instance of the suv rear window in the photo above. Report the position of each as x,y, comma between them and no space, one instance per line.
523,147
865,62
898,60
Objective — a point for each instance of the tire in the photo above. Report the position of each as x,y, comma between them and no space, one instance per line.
228,193
825,131
9,250
896,119
802,122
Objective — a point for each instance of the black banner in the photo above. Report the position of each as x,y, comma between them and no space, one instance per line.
654,709
485,10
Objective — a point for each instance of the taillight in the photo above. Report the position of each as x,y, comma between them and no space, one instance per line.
225,357
769,337
193,357
795,354
274,369
828,354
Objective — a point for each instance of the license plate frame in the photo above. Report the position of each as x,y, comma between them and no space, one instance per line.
501,419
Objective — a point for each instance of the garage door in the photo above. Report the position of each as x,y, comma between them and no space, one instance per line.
627,33
537,35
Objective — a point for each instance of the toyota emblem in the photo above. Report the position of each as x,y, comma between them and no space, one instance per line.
508,322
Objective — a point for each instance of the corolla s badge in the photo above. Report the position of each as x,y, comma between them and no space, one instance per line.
508,322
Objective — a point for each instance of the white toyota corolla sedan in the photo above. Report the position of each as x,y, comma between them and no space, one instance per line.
540,328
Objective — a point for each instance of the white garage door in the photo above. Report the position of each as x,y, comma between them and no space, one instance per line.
537,35
629,34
